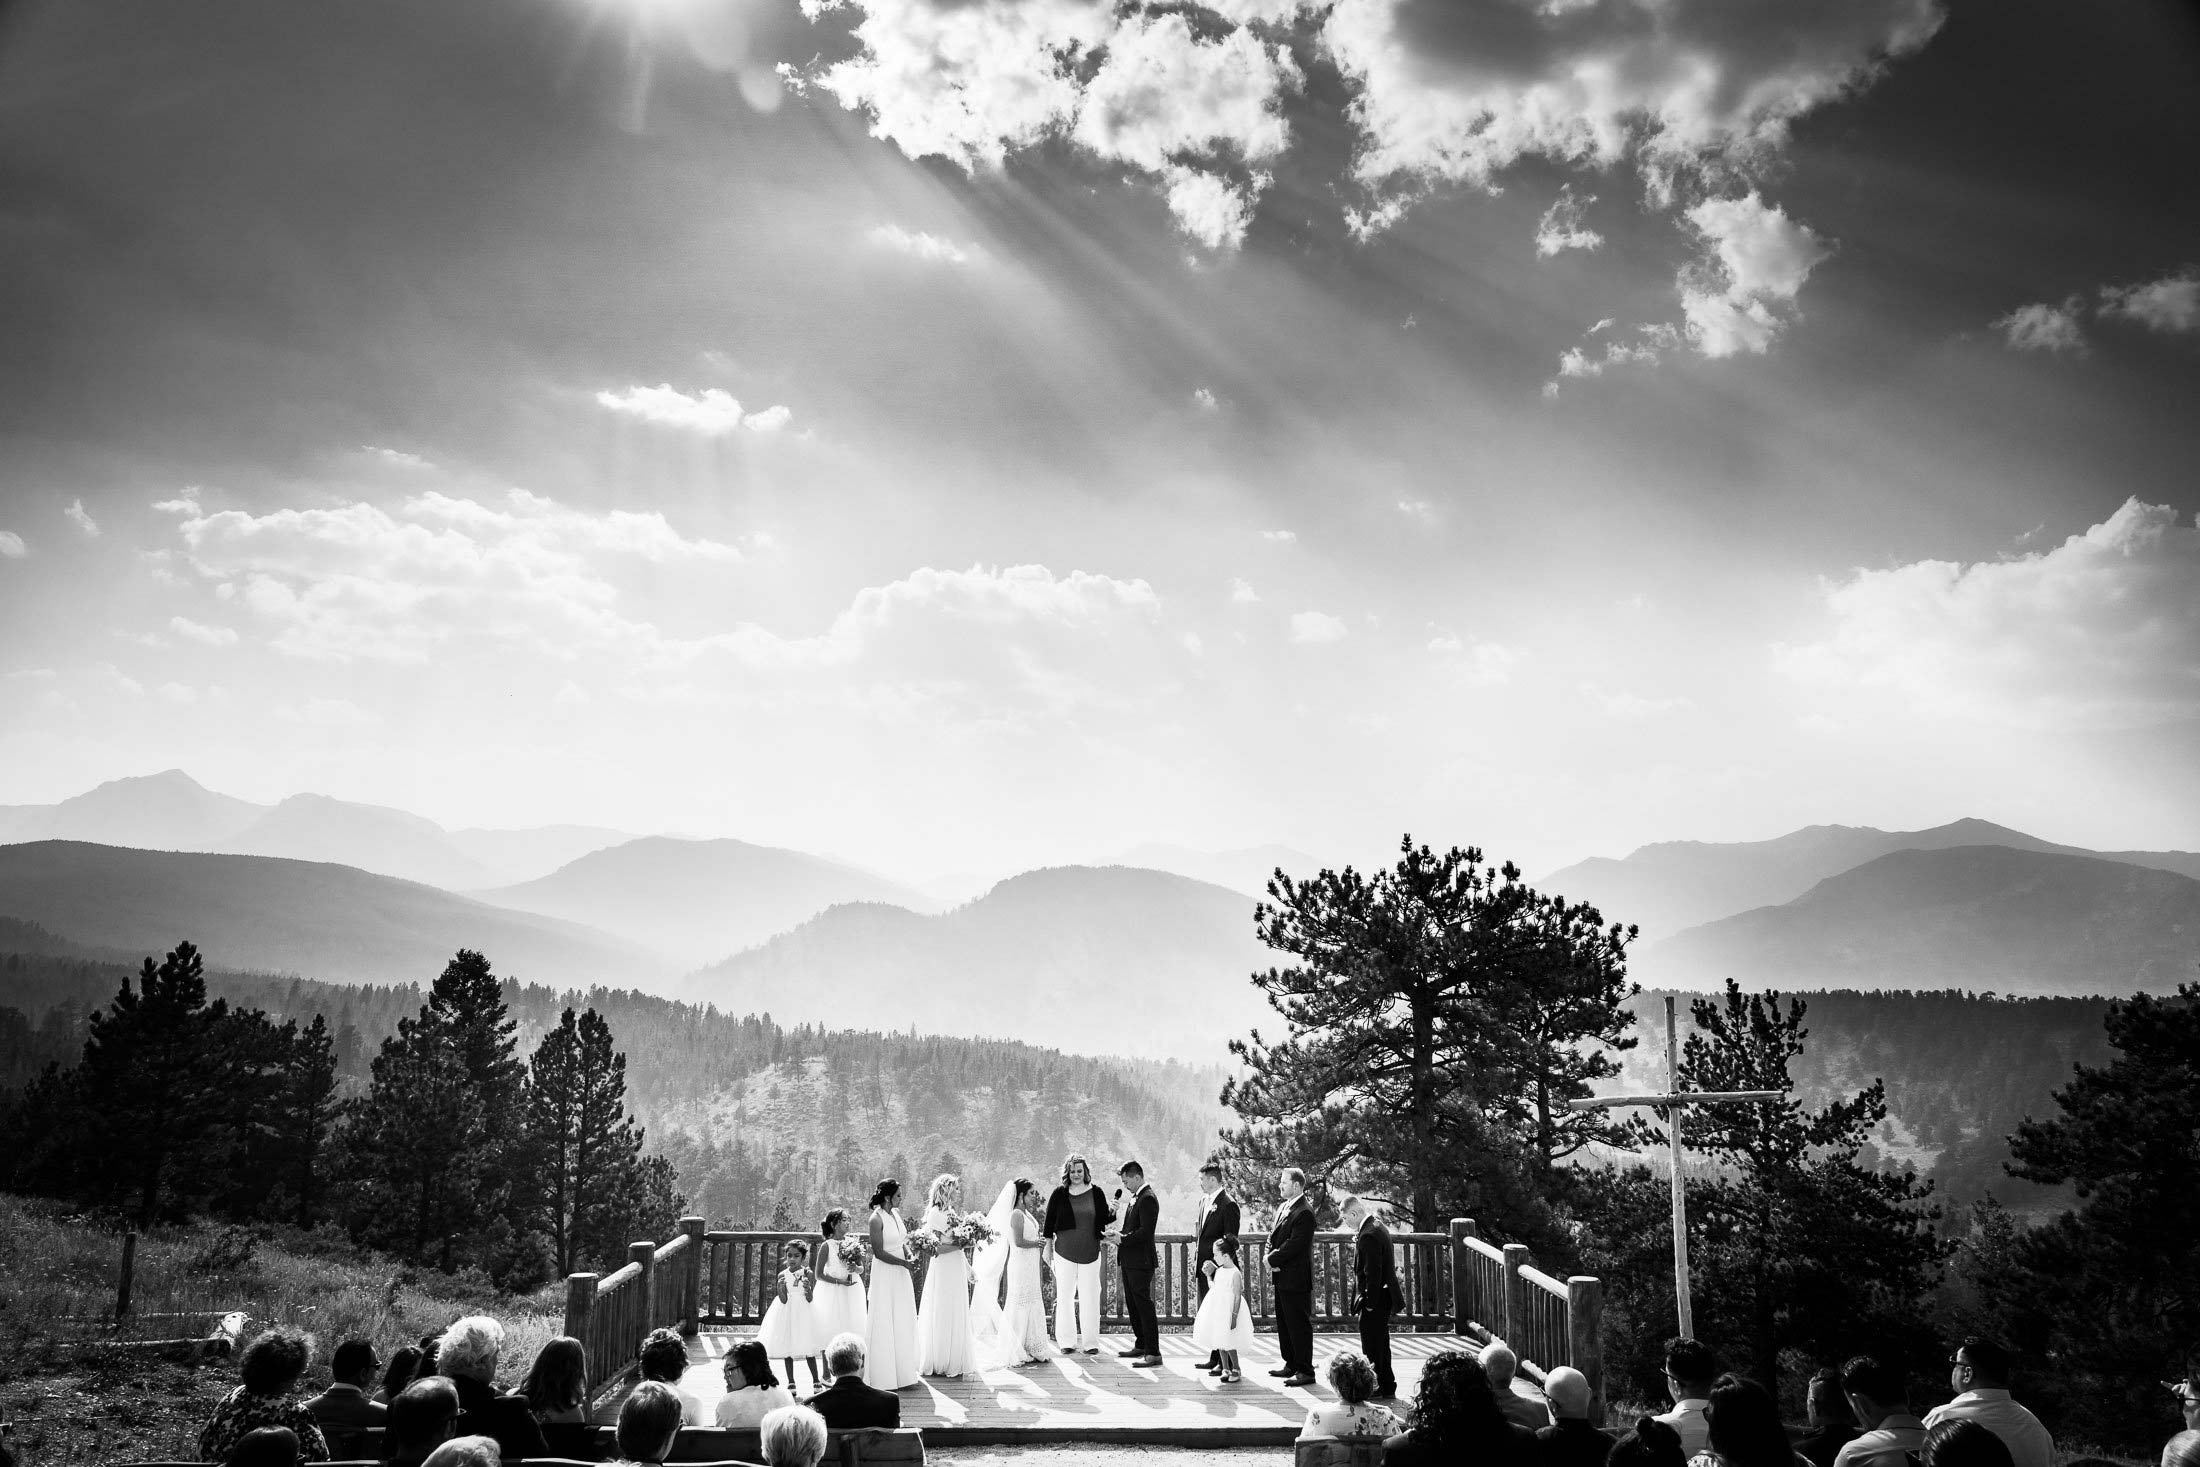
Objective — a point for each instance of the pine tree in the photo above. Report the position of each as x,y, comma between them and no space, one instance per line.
590,1194
1427,1010
308,1114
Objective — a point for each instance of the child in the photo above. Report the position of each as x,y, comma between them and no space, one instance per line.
1224,1323
789,1329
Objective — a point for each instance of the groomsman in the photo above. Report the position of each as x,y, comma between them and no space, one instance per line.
1137,1259
1374,1286
1218,1219
1291,1269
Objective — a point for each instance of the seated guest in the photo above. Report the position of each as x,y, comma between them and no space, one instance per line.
467,1356
1880,1402
752,1391
346,1404
556,1389
1571,1440
664,1357
466,1451
2183,1449
1980,1371
270,1366
1690,1367
1500,1364
1742,1423
265,1446
1831,1425
1355,1414
794,1436
1651,1444
422,1418
1456,1420
649,1422
1963,1442
848,1401
399,1373
2187,1392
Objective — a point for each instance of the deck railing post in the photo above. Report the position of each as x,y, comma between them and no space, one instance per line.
1462,1276
580,1298
1585,1337
691,1277
129,1270
1516,1298
645,1287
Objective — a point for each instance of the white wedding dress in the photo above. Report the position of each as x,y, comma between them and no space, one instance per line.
890,1340
1014,1334
943,1318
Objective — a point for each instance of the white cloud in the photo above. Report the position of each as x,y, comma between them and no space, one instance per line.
1316,628
1756,259
1242,592
933,249
1205,400
81,517
12,546
2100,631
1280,537
712,412
2169,304
973,80
395,457
2042,327
337,713
1651,345
1631,707
199,632
1562,226
1484,664
1418,510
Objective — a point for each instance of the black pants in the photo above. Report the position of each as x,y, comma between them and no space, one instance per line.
1375,1345
1200,1276
1295,1329
1138,1303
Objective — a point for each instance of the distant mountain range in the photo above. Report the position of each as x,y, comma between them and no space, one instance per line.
700,900
266,913
1247,869
1094,960
1674,885
172,811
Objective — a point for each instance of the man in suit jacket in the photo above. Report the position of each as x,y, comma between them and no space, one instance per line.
347,1405
1218,1219
848,1401
1374,1288
1291,1270
1138,1259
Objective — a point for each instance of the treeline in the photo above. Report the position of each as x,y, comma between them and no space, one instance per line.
454,1151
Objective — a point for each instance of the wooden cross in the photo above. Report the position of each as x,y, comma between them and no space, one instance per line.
1671,1102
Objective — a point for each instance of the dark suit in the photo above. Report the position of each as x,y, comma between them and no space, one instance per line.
1571,1441
1291,1268
1414,1449
1375,1286
849,1402
509,1419
346,1408
1137,1258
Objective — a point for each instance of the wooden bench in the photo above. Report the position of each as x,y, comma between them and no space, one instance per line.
1338,1451
695,1446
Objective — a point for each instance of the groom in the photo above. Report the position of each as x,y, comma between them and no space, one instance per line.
1291,1269
1136,1256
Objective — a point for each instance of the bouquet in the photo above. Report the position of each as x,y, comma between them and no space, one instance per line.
924,1242
969,1230
855,1254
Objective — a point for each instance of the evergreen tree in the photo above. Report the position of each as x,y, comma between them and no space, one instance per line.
1427,1007
306,1119
588,1188
1795,1244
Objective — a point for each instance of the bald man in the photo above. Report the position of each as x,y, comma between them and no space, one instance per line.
1570,1440
2183,1450
1500,1364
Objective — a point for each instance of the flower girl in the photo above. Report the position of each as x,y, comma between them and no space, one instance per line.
789,1330
1224,1323
839,1305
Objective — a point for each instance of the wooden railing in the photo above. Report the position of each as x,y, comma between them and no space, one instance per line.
1454,1283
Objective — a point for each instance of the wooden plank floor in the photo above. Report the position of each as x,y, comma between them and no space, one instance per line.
1094,1398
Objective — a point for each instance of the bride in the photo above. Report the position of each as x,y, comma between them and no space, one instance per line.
1018,1334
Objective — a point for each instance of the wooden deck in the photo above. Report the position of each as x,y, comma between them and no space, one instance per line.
1099,1398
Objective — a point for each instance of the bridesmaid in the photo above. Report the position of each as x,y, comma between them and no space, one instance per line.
943,1320
890,1341
839,1306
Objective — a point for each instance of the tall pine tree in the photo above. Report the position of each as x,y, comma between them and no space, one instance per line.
589,1188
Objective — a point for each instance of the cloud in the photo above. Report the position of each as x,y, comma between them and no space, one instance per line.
81,517
1242,592
2169,304
711,413
1316,628
359,582
973,80
205,636
395,457
1205,401
1419,510
2100,631
1739,296
1446,92
933,249
2042,327
1651,345
1483,664
12,546
335,713
1280,537
1562,227
1631,707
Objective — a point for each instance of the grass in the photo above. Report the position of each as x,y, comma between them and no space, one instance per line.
73,1401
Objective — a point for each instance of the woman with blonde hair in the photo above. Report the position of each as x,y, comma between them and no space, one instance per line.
1077,1219
943,1318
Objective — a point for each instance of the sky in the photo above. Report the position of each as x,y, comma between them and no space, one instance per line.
965,434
